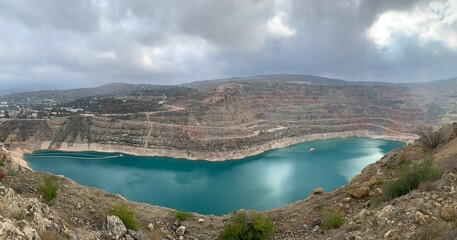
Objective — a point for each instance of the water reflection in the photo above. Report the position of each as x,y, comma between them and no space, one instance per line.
264,181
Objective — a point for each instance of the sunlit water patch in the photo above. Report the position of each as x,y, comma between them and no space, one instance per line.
268,180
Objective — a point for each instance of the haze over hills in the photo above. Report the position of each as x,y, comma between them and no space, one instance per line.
9,88
21,90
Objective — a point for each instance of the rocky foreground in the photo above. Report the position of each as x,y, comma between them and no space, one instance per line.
78,212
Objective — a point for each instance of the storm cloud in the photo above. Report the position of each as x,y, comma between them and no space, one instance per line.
92,42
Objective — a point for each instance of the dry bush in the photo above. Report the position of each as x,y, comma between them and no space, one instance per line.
426,186
432,230
2,175
51,235
431,139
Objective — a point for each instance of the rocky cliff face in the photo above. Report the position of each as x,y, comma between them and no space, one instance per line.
428,212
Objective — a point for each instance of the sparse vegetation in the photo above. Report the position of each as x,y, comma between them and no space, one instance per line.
332,220
409,177
248,226
182,216
390,165
402,158
48,189
50,235
126,215
431,139
431,230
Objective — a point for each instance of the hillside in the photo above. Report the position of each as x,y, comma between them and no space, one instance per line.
78,212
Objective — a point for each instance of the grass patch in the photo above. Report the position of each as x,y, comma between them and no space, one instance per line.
409,177
182,216
48,189
390,165
249,225
126,215
332,220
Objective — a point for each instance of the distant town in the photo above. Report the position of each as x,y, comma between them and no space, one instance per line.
36,108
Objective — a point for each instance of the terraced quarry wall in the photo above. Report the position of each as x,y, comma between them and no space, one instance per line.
237,119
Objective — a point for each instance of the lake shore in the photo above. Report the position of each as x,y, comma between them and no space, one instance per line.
210,156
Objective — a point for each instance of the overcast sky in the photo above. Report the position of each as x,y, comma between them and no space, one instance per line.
92,42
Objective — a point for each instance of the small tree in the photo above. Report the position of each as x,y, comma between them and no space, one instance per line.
49,188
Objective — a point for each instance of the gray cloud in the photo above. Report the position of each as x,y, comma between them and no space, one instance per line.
99,41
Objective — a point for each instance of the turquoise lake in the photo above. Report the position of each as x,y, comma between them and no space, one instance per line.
268,180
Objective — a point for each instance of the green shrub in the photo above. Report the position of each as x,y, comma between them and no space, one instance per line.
248,226
182,216
126,215
48,188
332,220
409,178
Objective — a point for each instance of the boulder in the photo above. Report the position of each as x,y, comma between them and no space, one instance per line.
114,227
151,226
181,231
318,190
384,213
358,192
420,217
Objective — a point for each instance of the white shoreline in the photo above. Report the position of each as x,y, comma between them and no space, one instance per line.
17,154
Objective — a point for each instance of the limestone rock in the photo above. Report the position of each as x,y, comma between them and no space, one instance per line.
137,235
114,227
318,190
384,212
201,220
151,226
8,231
31,233
387,234
420,217
358,192
170,237
181,230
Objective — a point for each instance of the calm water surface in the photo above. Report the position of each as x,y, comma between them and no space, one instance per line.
268,180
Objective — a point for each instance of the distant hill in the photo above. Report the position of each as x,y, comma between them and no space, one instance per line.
315,80
77,93
9,88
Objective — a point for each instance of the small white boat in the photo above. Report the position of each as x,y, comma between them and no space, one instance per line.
120,155
312,149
